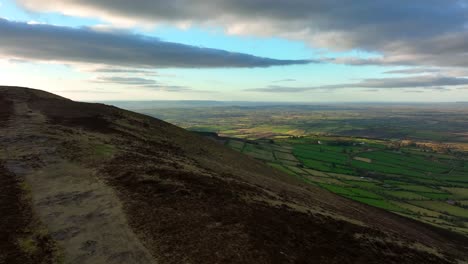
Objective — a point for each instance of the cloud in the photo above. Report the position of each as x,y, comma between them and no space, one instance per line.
125,80
169,88
33,22
371,90
141,83
413,71
84,45
281,89
407,82
440,89
85,91
123,70
285,80
414,91
446,71
417,32
427,82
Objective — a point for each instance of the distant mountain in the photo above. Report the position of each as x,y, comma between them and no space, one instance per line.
91,183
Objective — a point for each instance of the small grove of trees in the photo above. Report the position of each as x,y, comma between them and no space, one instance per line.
457,203
340,143
453,220
296,137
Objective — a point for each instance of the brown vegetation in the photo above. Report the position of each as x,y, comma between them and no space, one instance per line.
191,200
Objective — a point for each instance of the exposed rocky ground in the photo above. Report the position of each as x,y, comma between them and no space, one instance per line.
89,183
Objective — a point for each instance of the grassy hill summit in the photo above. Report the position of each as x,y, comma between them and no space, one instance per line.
91,183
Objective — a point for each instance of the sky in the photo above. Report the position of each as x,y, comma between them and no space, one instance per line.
238,50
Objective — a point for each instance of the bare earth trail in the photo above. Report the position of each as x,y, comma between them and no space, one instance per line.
80,211
89,183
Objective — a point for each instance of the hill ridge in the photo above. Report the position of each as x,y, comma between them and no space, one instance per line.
97,175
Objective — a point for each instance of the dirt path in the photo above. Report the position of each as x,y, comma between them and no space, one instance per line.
80,211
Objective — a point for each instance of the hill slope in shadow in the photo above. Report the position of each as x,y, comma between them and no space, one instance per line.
90,183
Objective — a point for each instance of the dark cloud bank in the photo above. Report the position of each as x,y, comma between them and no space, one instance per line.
54,43
417,32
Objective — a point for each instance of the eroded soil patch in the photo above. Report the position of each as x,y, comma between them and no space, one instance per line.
21,240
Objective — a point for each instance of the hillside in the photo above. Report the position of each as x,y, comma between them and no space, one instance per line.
90,183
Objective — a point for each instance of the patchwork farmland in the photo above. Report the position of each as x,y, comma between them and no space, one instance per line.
415,182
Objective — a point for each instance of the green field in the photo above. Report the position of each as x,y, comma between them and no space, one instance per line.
429,187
